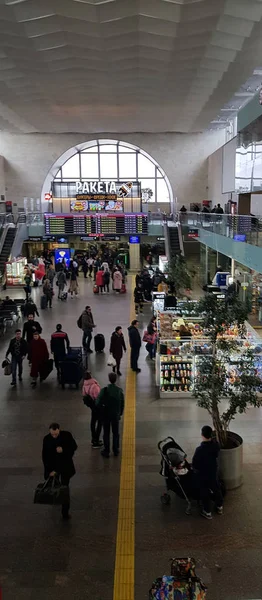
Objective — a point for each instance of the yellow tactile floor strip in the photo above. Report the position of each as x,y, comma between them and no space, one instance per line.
124,579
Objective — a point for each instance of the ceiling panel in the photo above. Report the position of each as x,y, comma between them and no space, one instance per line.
127,65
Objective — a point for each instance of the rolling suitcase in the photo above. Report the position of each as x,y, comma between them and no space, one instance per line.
96,289
43,302
99,341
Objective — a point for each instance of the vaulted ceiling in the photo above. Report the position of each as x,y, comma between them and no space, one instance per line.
125,65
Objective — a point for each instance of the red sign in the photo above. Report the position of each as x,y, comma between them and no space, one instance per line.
193,233
48,197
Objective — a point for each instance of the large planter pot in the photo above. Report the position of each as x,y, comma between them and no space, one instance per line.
231,462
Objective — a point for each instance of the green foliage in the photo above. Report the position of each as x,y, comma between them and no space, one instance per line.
178,274
214,390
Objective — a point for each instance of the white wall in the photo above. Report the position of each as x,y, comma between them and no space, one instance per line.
256,204
183,157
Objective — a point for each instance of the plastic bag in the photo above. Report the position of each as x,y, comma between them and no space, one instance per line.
111,361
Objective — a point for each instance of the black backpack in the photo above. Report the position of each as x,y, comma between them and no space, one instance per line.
89,401
79,322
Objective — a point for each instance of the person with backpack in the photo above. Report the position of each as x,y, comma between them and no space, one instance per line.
111,402
90,391
28,284
139,298
48,292
29,308
86,323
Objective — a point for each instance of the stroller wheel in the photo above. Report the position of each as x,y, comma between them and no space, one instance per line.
165,499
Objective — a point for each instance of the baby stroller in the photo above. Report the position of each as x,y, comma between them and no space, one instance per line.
178,473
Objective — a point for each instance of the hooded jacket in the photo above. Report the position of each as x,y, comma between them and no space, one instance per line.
205,461
87,322
134,337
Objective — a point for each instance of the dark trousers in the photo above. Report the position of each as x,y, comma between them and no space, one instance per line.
86,340
106,287
65,507
101,289
206,497
151,349
117,367
95,425
140,306
16,362
108,424
27,289
134,358
90,271
85,272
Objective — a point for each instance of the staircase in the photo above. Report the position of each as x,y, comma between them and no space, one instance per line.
7,247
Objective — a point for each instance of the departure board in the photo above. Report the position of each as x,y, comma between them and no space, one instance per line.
99,223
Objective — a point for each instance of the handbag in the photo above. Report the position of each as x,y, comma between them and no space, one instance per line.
51,492
89,401
147,337
6,364
111,362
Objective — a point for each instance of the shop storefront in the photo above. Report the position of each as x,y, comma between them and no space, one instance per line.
179,357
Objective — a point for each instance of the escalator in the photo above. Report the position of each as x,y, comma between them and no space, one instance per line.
173,240
7,247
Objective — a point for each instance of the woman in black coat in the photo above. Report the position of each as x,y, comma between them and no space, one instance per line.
117,345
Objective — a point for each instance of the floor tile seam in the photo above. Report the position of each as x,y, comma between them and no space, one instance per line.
124,576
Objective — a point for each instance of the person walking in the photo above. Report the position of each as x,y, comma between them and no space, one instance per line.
90,391
30,308
38,355
100,280
59,448
106,280
135,345
61,282
111,402
28,283
85,267
206,468
73,286
117,345
30,326
50,274
18,349
151,344
59,345
96,265
117,281
48,292
86,323
139,299
90,262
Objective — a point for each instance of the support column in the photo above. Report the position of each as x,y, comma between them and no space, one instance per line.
233,267
134,256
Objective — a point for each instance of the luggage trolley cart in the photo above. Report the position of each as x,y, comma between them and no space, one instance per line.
177,472
72,367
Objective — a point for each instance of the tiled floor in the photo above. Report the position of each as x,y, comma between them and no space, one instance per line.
42,557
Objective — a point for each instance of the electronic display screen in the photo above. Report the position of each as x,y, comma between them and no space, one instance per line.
62,253
99,224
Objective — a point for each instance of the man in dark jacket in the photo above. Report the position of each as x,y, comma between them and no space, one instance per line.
59,344
117,345
57,455
135,344
110,401
30,308
18,349
30,326
206,468
87,325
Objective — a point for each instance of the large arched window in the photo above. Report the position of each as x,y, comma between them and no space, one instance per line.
109,160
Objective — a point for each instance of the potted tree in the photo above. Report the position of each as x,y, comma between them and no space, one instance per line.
178,275
226,381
